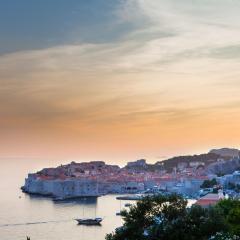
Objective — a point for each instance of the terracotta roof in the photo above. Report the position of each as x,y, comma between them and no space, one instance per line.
211,196
209,199
206,202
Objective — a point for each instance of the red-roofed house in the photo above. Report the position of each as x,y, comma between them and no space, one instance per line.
210,199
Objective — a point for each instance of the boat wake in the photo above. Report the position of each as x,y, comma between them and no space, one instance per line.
33,223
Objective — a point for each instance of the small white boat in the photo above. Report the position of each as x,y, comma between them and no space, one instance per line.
89,221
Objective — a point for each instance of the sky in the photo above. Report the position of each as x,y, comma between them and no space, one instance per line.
118,80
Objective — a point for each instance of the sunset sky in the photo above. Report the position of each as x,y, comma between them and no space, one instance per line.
118,80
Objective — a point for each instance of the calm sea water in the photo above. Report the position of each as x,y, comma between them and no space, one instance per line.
40,218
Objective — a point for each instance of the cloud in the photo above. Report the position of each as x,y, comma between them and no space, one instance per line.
163,77
167,33
176,32
168,70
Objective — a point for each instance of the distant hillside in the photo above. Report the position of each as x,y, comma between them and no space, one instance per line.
222,168
207,159
226,152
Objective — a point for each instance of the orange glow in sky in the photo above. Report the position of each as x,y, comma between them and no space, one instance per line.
169,86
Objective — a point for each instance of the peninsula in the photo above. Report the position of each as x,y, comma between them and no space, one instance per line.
184,175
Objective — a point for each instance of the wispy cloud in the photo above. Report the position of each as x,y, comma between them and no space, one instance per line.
166,73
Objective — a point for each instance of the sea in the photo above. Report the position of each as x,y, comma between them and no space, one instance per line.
41,218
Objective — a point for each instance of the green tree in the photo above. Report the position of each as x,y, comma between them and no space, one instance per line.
231,209
168,218
209,183
139,222
224,236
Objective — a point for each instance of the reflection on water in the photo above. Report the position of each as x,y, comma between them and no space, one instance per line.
42,218
80,201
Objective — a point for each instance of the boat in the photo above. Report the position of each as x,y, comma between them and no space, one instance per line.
89,221
128,205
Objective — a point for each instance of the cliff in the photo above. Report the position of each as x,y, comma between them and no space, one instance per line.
61,189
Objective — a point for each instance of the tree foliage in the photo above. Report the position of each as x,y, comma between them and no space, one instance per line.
167,217
231,210
209,183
